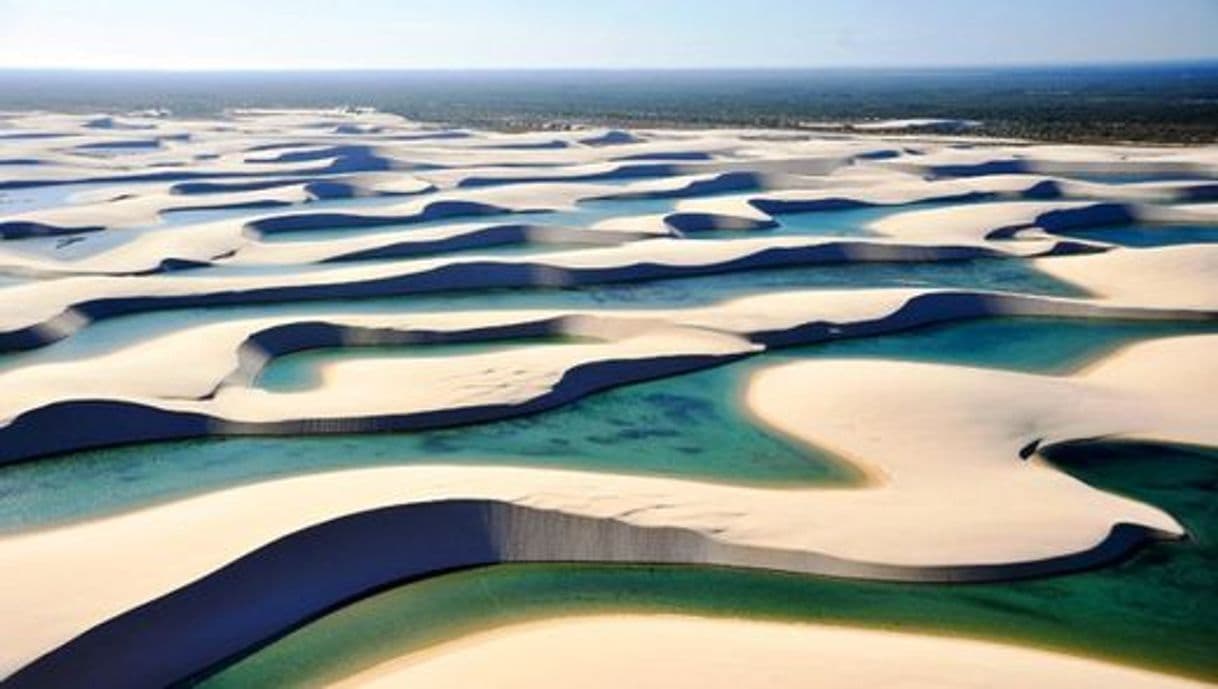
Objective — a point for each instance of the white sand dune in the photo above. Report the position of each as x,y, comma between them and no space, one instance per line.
423,392
104,216
664,651
922,432
1172,276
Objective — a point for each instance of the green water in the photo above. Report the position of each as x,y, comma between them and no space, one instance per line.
1154,610
1033,345
686,426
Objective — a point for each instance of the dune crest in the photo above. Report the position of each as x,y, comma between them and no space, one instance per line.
154,271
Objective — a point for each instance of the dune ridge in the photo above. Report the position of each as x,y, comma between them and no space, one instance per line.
291,586
152,267
157,409
869,532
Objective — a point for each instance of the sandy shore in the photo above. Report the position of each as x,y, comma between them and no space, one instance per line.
674,651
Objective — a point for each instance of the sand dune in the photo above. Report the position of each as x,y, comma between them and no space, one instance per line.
659,651
960,442
127,395
151,268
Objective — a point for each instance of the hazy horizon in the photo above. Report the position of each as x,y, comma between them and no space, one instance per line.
878,68
311,35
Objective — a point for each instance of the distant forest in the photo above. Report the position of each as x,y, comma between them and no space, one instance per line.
1165,103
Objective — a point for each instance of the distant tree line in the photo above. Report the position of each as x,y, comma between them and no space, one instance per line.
1175,103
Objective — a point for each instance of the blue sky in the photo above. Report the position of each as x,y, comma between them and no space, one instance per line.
286,34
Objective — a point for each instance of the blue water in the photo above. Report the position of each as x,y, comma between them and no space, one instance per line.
995,274
120,148
404,228
845,222
584,214
855,222
176,218
13,201
198,215
851,222
686,426
1135,177
1141,235
587,213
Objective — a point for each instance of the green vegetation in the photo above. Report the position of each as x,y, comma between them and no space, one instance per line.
1163,103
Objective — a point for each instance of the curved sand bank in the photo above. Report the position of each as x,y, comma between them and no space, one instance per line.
51,310
128,396
957,490
387,394
1063,159
675,651
290,587
942,435
238,241
118,209
1170,276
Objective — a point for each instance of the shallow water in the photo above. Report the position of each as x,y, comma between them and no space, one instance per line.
302,370
1155,609
1135,177
83,245
686,426
177,218
583,214
991,274
856,222
106,335
1032,345
1140,235
13,201
850,222
845,222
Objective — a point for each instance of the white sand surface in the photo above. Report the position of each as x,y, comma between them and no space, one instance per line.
941,444
88,230
674,652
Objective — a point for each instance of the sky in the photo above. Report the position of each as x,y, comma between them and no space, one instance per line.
464,34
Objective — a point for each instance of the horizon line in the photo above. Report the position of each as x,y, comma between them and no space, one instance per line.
608,68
